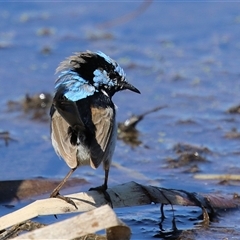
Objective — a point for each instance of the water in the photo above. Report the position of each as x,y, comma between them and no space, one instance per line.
179,54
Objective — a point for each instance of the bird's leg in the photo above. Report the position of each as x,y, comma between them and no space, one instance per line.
55,192
103,188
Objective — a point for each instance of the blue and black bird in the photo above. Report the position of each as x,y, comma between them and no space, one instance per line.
83,116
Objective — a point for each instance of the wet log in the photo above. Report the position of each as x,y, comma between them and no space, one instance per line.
124,195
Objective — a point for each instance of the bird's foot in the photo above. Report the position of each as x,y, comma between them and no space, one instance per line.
66,199
103,190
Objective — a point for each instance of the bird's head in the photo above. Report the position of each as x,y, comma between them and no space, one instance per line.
86,73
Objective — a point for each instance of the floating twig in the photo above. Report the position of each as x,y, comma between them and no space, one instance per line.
226,177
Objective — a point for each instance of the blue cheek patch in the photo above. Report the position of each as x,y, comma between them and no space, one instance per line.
101,78
76,88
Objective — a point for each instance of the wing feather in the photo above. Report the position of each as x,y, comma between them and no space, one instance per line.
104,121
61,142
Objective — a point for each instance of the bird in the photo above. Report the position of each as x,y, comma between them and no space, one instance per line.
83,115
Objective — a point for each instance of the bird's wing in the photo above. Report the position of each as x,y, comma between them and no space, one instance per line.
60,140
104,121
67,109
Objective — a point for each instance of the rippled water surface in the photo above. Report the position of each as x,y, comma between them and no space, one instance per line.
182,55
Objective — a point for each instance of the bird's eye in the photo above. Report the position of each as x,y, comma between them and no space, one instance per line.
111,75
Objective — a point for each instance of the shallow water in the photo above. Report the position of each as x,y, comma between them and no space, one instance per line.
181,55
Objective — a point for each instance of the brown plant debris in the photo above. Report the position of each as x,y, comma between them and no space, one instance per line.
234,109
188,156
127,131
5,136
35,106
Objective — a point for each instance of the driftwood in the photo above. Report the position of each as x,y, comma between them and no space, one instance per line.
125,195
82,225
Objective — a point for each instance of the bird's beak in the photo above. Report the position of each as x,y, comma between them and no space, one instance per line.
127,85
